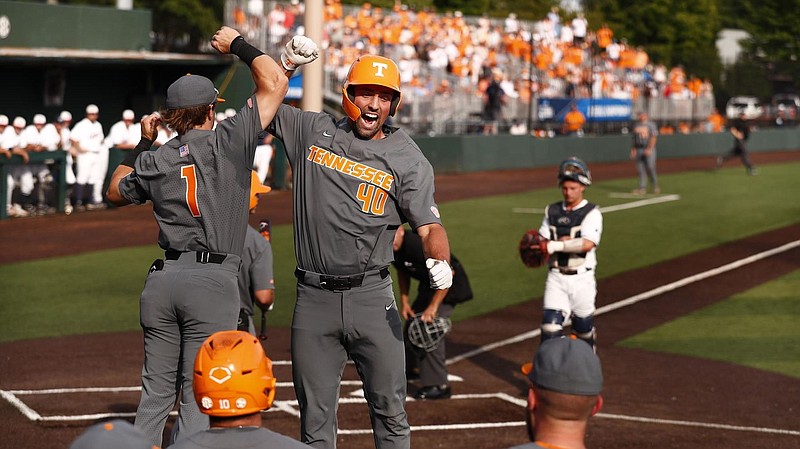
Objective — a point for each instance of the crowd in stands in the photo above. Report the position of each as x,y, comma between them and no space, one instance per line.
445,52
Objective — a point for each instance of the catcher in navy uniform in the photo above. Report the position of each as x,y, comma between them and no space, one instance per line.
426,363
566,241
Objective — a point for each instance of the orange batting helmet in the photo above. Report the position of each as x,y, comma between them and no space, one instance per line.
371,69
232,375
255,188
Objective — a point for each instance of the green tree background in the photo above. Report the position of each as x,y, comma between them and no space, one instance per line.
673,32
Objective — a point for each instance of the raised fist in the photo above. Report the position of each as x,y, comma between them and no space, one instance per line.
298,51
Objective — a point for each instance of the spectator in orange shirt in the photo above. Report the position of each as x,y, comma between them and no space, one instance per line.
715,121
604,36
574,121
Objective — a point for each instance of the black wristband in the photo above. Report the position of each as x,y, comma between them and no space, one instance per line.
246,52
130,159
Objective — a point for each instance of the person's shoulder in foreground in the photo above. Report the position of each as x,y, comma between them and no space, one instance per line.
116,434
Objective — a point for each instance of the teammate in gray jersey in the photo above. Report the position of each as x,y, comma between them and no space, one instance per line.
234,404
199,184
256,280
354,182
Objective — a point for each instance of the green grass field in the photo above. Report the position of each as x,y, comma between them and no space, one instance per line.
98,292
756,328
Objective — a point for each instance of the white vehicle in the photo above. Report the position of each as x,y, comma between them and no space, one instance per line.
751,107
788,103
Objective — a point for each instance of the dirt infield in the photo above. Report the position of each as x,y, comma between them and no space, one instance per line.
651,399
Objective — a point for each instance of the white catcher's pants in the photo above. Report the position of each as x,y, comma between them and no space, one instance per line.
574,294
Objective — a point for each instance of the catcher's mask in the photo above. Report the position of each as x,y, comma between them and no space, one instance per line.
426,336
574,169
375,70
232,375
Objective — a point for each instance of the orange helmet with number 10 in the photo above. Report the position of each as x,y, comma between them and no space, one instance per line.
375,70
232,375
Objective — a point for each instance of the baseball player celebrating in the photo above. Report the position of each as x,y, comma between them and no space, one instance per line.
199,184
355,181
573,228
233,383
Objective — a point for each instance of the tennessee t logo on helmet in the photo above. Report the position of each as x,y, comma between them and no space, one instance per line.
380,66
375,70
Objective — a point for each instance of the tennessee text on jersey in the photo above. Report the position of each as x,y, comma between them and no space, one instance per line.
357,170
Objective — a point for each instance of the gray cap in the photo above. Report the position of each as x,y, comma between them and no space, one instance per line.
190,91
567,365
116,434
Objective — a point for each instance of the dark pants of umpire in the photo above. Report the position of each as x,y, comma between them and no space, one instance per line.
739,150
431,365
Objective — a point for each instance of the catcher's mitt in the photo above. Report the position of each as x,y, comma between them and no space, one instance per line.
533,249
426,336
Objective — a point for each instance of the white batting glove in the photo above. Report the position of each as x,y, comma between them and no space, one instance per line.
298,51
440,273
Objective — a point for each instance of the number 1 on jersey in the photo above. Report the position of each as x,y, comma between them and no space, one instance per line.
188,173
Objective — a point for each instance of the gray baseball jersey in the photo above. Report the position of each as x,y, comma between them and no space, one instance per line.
642,132
348,192
239,438
256,272
349,197
199,184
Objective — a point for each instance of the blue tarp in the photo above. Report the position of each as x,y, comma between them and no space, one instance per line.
295,87
595,109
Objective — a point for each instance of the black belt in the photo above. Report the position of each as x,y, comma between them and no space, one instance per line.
571,271
201,256
333,283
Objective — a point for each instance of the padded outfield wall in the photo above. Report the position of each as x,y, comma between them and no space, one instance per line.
471,153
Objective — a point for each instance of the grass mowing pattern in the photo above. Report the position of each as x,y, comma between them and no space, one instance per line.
757,328
99,292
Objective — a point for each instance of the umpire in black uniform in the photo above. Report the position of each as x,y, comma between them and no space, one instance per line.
409,260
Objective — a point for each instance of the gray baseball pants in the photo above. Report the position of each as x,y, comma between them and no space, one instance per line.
362,323
180,306
646,168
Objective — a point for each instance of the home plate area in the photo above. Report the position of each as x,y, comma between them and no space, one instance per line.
469,411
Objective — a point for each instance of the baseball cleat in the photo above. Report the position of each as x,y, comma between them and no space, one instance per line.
433,392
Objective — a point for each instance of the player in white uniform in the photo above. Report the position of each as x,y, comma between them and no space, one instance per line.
92,160
263,158
18,175
61,126
124,134
573,227
39,138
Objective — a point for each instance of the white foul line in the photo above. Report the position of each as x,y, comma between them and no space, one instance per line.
289,406
606,209
698,424
634,299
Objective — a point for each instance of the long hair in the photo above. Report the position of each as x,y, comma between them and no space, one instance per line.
182,120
